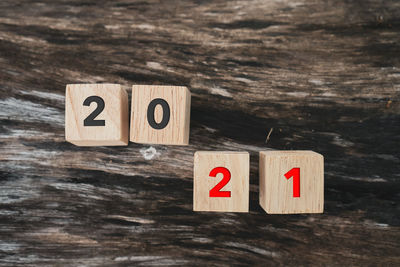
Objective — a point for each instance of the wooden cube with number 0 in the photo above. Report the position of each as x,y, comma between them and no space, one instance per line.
221,181
160,115
291,182
96,115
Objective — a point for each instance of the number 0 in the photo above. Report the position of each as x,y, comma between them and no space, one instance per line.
150,113
295,173
216,190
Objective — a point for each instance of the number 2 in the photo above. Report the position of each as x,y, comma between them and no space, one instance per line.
295,173
90,120
216,190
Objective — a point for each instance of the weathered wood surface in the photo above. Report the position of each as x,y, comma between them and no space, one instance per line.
325,75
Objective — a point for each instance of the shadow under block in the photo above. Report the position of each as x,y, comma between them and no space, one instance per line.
160,115
291,182
96,115
211,173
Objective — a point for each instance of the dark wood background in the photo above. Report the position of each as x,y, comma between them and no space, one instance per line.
325,75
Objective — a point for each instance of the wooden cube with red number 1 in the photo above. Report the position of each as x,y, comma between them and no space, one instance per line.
291,182
221,181
96,115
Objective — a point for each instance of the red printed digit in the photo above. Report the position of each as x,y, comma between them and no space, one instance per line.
295,173
215,191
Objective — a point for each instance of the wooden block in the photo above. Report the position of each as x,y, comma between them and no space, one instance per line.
96,115
291,182
160,115
221,181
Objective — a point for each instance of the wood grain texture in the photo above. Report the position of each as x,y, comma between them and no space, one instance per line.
324,75
176,131
114,115
276,192
237,163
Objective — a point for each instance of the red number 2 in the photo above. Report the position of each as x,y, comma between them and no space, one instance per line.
215,191
295,173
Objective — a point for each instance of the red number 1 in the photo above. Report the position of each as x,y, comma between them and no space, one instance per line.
295,173
216,190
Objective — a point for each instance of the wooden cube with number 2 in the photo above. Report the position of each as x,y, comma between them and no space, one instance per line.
291,182
221,181
96,115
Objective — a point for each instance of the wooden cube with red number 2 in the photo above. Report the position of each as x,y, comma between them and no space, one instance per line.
291,182
221,181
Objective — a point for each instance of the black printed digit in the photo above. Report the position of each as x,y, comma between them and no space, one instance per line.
166,113
90,120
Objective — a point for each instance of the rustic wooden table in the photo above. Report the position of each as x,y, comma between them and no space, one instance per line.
315,74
